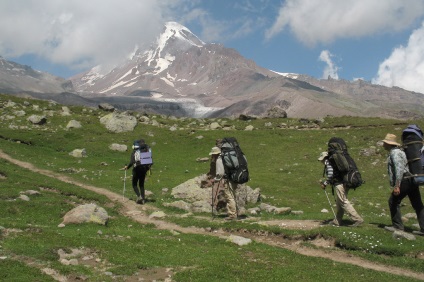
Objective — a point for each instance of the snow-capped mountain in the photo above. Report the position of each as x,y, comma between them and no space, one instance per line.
181,75
178,65
202,79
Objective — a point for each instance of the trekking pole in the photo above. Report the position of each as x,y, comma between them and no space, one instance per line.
213,200
125,179
330,203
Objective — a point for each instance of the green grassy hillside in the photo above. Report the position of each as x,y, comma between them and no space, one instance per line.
282,156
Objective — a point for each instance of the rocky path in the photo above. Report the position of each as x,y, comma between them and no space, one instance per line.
138,214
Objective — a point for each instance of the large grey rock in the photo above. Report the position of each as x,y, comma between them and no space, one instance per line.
73,124
36,119
106,107
399,234
65,111
78,153
118,147
119,122
238,240
198,198
215,125
276,112
86,213
191,191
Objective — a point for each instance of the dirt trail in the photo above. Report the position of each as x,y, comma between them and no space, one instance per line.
137,213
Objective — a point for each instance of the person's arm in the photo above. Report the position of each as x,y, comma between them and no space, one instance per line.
220,171
132,161
399,163
329,172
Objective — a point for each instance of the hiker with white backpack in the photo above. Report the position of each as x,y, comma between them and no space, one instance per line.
141,161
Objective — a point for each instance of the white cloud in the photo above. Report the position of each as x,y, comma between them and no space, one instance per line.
79,33
331,68
324,21
405,66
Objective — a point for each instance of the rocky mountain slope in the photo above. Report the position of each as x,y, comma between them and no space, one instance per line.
19,78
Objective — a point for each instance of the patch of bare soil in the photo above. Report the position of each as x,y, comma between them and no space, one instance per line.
323,248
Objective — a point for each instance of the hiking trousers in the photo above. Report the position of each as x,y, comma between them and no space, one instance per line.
407,188
343,205
230,196
138,177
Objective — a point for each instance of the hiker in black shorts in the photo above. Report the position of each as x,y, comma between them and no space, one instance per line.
138,174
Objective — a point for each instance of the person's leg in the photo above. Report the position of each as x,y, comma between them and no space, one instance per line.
350,210
134,182
417,203
231,203
141,179
339,204
394,206
343,205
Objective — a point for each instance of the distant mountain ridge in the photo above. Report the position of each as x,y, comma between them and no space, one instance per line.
181,75
15,78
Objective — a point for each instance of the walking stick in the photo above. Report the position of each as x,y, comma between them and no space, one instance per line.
125,179
330,203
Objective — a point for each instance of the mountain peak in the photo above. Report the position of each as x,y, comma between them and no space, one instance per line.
174,30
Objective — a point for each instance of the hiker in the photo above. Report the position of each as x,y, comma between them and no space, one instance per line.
335,178
401,185
229,186
139,171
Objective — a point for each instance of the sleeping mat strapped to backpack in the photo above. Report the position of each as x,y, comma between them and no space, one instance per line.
412,141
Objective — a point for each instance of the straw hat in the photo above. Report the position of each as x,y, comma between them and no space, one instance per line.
391,139
322,156
215,151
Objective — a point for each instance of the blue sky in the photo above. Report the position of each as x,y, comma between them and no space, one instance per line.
378,41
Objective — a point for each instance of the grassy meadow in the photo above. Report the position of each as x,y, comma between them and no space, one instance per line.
282,156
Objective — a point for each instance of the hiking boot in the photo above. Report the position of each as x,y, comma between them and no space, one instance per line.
329,223
418,232
229,218
356,223
392,228
139,200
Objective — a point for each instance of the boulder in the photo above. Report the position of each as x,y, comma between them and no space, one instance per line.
276,112
118,147
106,107
78,153
88,213
119,122
38,120
73,124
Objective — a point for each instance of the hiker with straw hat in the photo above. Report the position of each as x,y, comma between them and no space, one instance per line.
402,185
229,186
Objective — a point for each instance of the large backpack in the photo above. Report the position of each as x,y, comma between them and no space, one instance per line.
235,162
143,155
412,141
344,164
